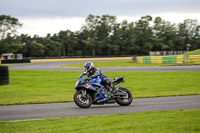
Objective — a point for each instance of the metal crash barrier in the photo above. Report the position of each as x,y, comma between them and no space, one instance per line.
168,59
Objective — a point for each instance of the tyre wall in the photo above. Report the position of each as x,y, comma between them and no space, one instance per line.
4,75
167,59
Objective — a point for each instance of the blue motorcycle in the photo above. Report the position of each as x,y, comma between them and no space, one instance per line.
91,91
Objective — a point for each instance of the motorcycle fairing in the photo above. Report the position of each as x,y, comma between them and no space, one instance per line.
89,86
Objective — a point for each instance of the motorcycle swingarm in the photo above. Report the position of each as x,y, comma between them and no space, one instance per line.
119,94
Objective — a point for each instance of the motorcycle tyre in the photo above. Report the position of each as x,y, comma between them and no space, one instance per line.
121,102
77,102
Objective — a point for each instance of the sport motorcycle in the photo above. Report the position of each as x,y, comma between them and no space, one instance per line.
91,91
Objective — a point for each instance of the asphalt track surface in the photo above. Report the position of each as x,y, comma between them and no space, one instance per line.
56,67
57,110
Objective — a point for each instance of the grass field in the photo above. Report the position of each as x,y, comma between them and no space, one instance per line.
28,86
195,52
125,64
147,122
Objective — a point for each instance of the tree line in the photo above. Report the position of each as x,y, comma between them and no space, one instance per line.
102,36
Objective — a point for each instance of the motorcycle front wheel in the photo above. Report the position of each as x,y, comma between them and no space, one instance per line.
82,99
126,100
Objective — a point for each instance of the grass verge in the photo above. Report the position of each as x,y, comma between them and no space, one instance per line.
195,52
125,64
28,86
185,121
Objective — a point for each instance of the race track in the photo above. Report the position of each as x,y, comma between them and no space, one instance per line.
57,110
56,67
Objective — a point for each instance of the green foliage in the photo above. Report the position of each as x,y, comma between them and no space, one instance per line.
97,30
195,52
8,26
68,42
10,45
104,36
58,86
181,121
9,42
129,64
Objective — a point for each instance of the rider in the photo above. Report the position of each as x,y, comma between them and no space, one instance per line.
93,72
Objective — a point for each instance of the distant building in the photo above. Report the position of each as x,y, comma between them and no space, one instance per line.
11,56
7,56
18,56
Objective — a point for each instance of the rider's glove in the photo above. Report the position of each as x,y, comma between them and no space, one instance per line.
85,72
87,79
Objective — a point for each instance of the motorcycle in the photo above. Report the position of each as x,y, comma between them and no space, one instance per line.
91,91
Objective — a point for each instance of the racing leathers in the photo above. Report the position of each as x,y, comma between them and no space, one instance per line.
95,72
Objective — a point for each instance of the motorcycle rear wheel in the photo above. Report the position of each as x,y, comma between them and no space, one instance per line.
82,100
125,101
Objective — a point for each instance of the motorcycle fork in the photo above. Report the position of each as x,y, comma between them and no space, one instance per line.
83,93
95,95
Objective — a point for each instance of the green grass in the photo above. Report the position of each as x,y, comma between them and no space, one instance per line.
10,64
124,64
185,121
195,52
28,86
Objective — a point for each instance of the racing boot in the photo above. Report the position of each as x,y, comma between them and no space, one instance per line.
107,87
114,90
109,92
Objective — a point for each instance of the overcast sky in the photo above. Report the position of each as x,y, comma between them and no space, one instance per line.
50,16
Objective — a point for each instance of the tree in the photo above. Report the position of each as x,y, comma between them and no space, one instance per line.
188,32
32,46
68,42
102,36
8,26
10,45
9,42
164,35
144,34
36,49
98,30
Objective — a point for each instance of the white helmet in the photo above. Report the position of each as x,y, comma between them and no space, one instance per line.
88,66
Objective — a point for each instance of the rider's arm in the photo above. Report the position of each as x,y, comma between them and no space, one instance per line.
85,72
97,73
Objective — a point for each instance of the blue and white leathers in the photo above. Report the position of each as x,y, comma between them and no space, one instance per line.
97,82
90,85
91,91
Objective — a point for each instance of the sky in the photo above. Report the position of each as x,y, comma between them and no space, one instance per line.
50,16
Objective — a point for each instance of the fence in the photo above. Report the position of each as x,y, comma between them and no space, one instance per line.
167,59
166,53
15,61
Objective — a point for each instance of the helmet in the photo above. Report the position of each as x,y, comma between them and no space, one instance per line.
88,66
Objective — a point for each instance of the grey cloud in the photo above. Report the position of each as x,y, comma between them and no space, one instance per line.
81,8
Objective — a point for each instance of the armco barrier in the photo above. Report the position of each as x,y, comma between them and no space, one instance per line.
156,59
194,58
167,59
147,60
179,59
140,59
